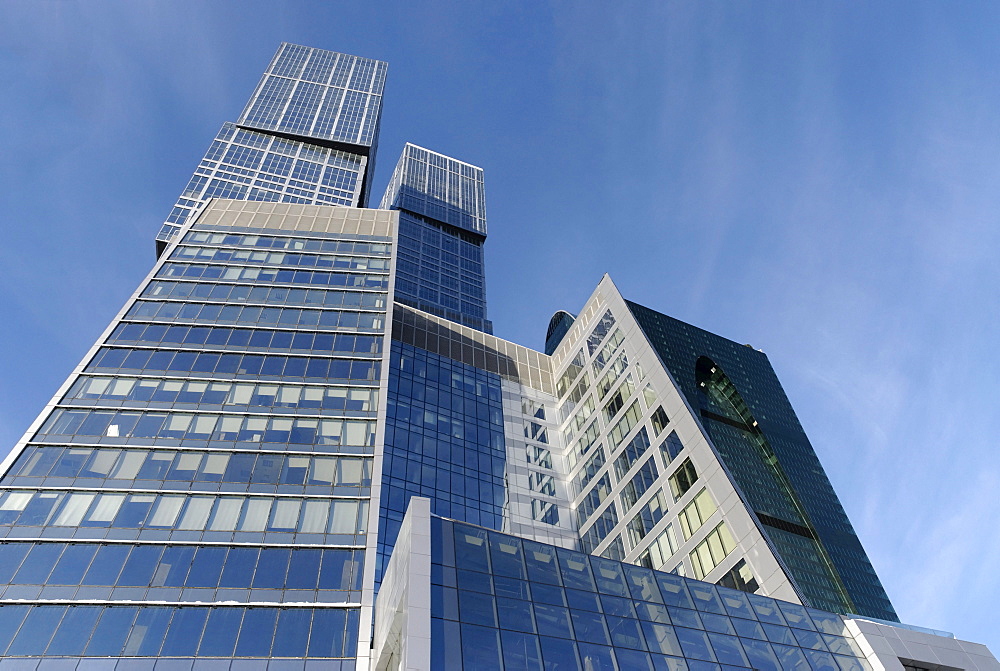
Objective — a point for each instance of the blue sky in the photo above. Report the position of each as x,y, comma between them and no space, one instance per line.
816,179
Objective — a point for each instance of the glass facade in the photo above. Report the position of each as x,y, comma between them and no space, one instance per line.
192,493
308,135
742,405
444,440
442,230
498,601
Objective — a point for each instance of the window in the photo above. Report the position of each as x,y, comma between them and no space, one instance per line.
683,478
740,577
712,551
660,550
696,513
632,453
647,517
670,448
659,420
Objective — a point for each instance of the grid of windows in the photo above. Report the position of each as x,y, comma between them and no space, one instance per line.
273,276
249,165
247,425
444,440
176,631
194,516
497,599
129,572
59,466
200,394
436,186
441,271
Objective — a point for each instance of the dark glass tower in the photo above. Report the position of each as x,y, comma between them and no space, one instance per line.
743,407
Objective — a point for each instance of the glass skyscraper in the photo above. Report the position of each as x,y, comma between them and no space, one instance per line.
308,135
442,205
299,446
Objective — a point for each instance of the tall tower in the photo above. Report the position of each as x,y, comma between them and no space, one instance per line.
308,135
442,204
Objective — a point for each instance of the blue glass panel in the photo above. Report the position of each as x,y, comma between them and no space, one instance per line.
737,604
520,651
625,632
748,629
559,654
761,655
239,568
446,645
705,597
337,569
776,634
809,639
328,633
37,630
271,568
11,556
174,565
292,633
511,587
548,594
471,550
112,630
718,623
185,632
303,570
694,644
633,659
653,612
684,617
609,576
766,609
477,608
580,600
221,630
39,563
257,632
541,563
821,661
10,621
796,615
589,627
515,615
661,638
74,631
642,583
596,657
552,620
575,570
506,556
106,565
207,567
148,632
674,590
480,647
791,659
141,565
728,650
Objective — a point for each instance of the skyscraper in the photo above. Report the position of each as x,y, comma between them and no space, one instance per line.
308,135
442,204
299,444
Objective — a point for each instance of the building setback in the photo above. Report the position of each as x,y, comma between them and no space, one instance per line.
299,445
